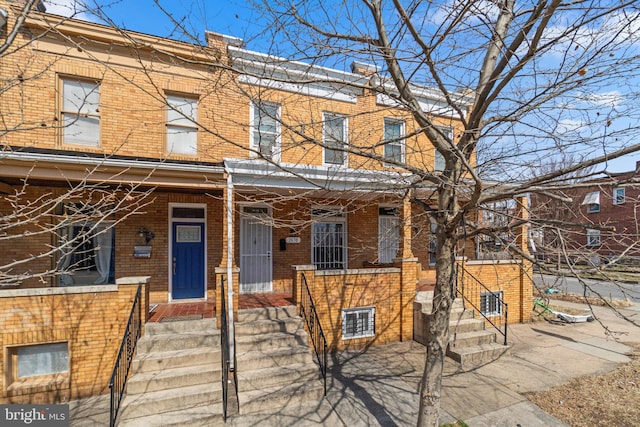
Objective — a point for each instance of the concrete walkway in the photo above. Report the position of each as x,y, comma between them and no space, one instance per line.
379,387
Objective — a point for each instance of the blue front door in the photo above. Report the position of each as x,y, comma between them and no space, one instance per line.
187,264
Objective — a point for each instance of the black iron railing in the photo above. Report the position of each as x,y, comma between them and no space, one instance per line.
318,339
226,352
125,357
492,306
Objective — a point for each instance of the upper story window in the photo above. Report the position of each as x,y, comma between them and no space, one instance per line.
334,138
182,132
593,237
439,163
394,147
265,129
618,195
592,200
81,112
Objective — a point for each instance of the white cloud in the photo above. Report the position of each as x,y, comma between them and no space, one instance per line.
568,125
611,99
69,8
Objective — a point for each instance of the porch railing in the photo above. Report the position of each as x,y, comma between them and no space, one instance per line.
124,358
226,353
318,339
494,310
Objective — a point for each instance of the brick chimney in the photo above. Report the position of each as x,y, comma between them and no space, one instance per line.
363,68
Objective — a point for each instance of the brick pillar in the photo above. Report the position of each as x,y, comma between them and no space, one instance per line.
134,281
405,251
227,243
407,290
526,270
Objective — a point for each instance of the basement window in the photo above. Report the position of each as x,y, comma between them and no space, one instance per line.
358,322
37,365
490,303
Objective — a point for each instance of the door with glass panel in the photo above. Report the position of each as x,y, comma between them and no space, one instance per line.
255,250
188,252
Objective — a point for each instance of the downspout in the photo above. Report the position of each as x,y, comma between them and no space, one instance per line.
230,307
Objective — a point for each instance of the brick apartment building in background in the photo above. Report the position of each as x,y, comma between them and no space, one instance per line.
604,218
237,164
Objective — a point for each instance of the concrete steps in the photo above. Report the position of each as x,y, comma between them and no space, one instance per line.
470,343
176,376
275,367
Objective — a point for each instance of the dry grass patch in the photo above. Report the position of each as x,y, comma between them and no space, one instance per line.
611,399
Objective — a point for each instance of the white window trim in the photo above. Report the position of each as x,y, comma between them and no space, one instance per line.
447,130
594,238
498,295
592,200
191,126
345,142
401,143
64,112
253,144
615,197
371,330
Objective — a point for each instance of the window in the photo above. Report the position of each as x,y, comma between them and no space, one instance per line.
439,163
265,133
388,234
80,112
592,200
334,137
618,195
41,359
394,142
182,132
593,237
87,248
358,322
491,303
329,239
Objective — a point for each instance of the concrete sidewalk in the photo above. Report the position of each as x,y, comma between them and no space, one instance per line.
379,386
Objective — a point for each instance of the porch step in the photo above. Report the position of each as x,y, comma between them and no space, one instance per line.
144,382
275,368
170,342
176,399
202,416
251,360
179,326
278,397
266,342
270,313
472,339
266,326
176,377
158,361
474,356
469,324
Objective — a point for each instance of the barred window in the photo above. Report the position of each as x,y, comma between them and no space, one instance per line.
358,322
490,303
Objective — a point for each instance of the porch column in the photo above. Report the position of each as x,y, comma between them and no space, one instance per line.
406,294
227,268
404,249
526,270
309,272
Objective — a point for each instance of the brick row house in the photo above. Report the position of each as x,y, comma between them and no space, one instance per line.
604,213
184,167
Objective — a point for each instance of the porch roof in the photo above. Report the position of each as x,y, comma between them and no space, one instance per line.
259,173
60,165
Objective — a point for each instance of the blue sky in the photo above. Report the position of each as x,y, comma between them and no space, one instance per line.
232,17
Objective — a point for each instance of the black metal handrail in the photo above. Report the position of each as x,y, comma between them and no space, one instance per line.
318,339
498,321
224,343
122,366
226,353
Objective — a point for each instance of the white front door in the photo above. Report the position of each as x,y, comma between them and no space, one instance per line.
255,250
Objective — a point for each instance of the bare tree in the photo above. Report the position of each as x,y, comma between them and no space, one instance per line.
517,83
540,78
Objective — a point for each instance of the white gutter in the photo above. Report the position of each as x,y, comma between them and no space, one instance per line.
106,161
230,331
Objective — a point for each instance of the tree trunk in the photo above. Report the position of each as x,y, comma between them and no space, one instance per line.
438,333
